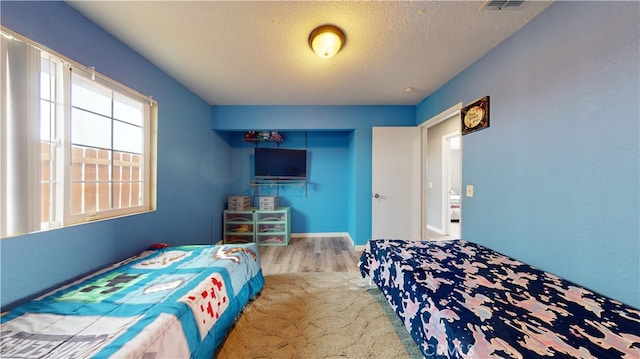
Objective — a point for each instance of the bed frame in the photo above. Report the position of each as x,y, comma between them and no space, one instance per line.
462,300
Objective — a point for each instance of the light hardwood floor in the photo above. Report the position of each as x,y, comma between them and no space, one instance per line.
321,254
310,254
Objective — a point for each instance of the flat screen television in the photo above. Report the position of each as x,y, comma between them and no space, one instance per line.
278,163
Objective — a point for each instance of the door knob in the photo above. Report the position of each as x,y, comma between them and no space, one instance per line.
375,195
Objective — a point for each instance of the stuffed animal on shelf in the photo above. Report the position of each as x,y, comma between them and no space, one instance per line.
250,135
275,136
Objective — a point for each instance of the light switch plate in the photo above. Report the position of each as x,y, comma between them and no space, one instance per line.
469,190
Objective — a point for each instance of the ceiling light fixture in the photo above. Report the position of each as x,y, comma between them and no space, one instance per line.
326,40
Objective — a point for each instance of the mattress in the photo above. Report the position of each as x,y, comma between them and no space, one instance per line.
174,302
461,300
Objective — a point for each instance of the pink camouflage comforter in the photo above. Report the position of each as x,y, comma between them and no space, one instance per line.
462,300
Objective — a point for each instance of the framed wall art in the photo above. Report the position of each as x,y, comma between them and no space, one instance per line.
475,116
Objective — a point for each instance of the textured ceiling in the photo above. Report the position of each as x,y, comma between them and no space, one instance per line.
256,53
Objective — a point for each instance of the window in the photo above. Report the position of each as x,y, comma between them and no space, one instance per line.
76,146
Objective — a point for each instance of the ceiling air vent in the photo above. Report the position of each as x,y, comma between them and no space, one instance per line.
501,4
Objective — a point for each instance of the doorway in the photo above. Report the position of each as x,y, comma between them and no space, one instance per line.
452,180
442,177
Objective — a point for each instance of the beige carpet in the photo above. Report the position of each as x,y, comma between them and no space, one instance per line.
318,315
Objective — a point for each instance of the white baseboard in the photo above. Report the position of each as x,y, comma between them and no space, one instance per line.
360,248
435,229
323,234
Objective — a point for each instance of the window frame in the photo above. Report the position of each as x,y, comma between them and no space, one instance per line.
60,127
63,147
71,218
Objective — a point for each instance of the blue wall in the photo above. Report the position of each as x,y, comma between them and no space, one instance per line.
189,189
320,206
326,126
556,175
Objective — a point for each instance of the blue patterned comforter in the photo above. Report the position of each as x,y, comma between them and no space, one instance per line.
462,300
176,302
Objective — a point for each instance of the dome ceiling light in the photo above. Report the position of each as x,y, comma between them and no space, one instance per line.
326,40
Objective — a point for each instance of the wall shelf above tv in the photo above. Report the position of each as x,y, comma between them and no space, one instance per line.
262,140
263,136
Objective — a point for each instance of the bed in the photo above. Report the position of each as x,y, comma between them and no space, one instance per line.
454,206
173,302
462,300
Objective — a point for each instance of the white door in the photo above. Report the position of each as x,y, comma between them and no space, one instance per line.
396,182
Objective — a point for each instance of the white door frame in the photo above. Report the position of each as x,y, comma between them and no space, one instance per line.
441,117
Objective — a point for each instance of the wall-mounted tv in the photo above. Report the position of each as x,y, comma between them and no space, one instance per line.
279,163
